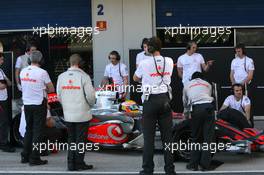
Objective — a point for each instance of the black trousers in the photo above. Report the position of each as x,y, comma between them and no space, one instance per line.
202,128
4,123
77,134
157,110
35,119
250,89
234,117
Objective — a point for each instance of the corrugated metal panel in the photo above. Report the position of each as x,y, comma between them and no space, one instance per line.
20,14
210,12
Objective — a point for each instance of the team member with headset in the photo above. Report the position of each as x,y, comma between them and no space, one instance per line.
197,98
155,75
242,71
116,73
191,62
236,108
144,54
242,67
35,83
22,62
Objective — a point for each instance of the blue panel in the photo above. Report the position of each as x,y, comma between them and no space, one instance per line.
21,14
210,12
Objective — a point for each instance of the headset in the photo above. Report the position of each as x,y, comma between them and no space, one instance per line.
242,47
239,85
144,41
243,90
189,44
118,57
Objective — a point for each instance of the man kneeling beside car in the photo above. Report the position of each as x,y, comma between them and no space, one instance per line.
236,108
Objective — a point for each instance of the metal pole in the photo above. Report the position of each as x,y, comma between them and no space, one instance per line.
216,99
246,90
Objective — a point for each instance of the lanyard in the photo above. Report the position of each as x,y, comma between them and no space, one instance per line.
245,64
241,104
160,74
119,69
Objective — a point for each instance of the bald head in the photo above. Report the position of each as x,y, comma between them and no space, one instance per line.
75,60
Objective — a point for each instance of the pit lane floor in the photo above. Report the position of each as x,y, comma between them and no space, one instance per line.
121,162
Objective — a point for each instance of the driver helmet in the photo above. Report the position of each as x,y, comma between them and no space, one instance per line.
129,106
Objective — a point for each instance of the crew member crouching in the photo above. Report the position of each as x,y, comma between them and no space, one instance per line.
236,108
197,97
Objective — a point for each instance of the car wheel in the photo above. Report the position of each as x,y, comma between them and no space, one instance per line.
17,139
181,136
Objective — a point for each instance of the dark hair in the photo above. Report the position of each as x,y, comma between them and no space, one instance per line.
1,54
29,45
242,47
154,44
198,75
189,44
237,85
144,41
118,57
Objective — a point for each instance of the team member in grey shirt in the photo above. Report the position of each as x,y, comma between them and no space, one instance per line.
197,97
77,96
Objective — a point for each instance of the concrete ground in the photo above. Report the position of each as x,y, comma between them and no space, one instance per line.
118,162
127,162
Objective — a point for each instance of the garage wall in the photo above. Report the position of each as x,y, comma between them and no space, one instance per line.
219,73
210,13
18,14
127,23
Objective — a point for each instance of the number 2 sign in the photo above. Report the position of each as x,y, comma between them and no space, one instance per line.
100,8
